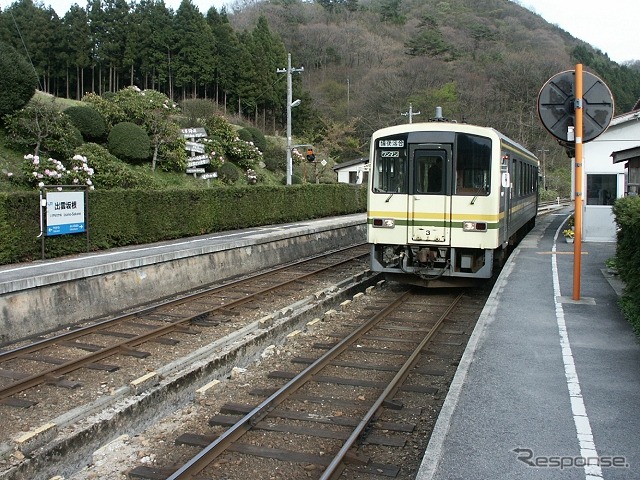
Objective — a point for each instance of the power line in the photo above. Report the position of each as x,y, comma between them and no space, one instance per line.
25,49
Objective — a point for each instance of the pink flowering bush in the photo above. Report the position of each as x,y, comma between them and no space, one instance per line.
252,176
296,157
244,154
39,171
215,150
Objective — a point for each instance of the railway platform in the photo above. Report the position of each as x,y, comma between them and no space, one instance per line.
36,296
549,386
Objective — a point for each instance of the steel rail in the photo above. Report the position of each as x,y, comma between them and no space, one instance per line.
332,471
126,345
96,327
207,455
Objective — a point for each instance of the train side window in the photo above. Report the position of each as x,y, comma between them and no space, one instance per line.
473,165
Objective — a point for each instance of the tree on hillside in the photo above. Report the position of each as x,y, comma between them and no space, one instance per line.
155,45
268,54
234,69
77,47
18,80
41,127
33,33
113,47
194,64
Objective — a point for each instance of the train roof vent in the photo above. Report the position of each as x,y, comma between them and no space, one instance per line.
439,117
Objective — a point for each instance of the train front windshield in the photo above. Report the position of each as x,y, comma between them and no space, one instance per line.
390,174
437,163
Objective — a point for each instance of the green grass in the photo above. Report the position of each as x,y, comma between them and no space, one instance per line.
10,164
62,103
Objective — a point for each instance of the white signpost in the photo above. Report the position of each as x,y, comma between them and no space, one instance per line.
194,132
65,213
197,148
198,160
194,147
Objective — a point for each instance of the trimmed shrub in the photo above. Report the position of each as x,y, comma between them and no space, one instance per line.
295,180
275,158
627,216
18,81
129,141
88,120
110,172
244,134
229,173
111,113
219,129
255,136
196,111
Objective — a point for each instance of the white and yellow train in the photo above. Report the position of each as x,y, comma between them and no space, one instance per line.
446,200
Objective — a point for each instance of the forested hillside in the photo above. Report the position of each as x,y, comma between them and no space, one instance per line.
365,61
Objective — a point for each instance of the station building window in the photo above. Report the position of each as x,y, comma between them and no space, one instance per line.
602,189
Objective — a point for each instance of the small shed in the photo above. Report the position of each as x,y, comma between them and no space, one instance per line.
632,158
355,171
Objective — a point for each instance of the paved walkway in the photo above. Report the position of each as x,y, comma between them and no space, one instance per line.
546,382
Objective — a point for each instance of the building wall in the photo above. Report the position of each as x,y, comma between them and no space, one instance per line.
598,220
352,174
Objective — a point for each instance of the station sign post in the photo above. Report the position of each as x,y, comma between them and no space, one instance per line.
63,211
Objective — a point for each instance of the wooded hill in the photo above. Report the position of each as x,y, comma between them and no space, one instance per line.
365,61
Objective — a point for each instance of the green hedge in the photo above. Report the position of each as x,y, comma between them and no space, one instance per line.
627,216
129,217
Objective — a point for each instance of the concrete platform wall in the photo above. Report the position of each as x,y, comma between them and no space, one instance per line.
39,304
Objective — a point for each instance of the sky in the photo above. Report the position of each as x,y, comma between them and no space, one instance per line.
609,26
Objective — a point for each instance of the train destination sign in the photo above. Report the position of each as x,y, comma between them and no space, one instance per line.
391,143
556,106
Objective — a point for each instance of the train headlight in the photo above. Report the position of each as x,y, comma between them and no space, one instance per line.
384,222
474,226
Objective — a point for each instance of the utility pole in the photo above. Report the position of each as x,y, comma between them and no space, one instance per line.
290,105
410,113
544,167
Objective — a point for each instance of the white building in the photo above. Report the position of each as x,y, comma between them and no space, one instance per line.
605,180
354,172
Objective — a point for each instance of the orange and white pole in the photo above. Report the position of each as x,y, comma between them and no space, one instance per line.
577,245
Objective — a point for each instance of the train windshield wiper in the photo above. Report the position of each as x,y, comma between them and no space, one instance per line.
484,188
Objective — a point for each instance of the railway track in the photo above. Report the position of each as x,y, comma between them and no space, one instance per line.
93,363
156,324
328,419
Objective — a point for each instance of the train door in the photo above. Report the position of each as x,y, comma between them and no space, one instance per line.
505,195
429,206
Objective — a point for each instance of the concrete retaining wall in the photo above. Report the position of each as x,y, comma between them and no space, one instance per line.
36,305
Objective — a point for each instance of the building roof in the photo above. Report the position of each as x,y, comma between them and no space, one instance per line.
626,154
350,163
625,117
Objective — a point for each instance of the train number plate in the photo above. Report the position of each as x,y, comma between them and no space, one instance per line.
389,153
